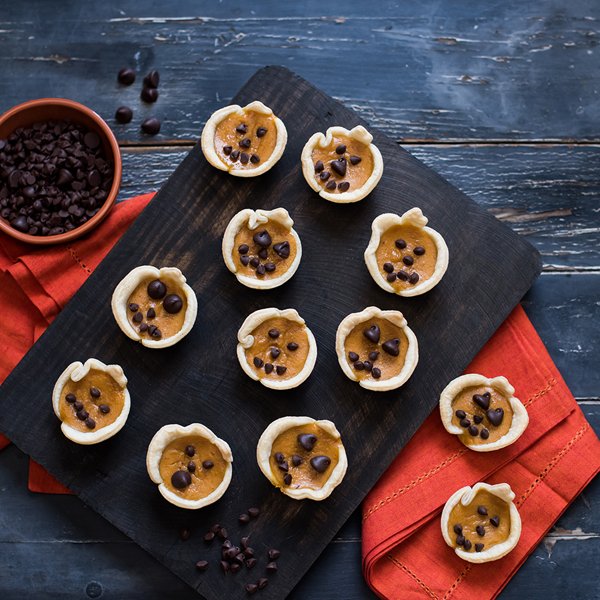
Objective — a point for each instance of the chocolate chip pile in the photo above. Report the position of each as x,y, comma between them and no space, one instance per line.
306,441
274,353
234,558
373,334
80,411
149,94
407,260
54,176
245,142
182,478
258,257
461,540
495,416
338,167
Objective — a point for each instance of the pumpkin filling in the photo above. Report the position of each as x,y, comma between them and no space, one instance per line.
265,252
376,349
406,256
192,467
280,349
245,141
91,403
304,457
483,523
344,165
484,414
156,309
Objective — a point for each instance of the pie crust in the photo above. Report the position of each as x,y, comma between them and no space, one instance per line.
520,418
129,283
466,495
207,139
414,217
396,318
76,371
162,438
265,445
255,219
246,340
320,140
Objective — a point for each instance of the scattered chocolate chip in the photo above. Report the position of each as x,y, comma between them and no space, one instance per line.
307,440
344,186
262,583
376,372
460,540
251,588
260,270
181,479
270,267
269,368
271,567
280,369
224,566
262,238
202,565
90,423
340,149
467,545
296,460
485,434
338,166
495,521
495,416
273,554
474,431
368,365
324,175
254,512
151,126
273,333
372,333
465,423
419,250
78,406
184,534
95,392
151,313
458,529
258,362
261,131
292,346
209,536
413,277
275,352
279,457
227,150
172,304
149,95
331,185
391,277
482,510
254,261
152,79
243,248
242,128
319,166
143,327
388,267
191,466
133,307
263,253
126,76
138,317
235,154
320,463
254,159
71,398
481,401
391,347
245,260
353,356
123,115
359,365
400,244
207,464
190,450
480,529
478,547
251,563
245,143
408,260
282,249
215,528
477,419
244,518
222,533
354,160
244,158
461,414
402,275
156,289
373,355
287,479
245,541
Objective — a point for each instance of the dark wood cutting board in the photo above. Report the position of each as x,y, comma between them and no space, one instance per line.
200,379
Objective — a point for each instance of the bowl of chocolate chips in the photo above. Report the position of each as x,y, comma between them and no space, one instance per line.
60,171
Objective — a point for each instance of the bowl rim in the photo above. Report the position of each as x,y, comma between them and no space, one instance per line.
114,189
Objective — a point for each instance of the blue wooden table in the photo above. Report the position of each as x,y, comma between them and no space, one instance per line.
500,97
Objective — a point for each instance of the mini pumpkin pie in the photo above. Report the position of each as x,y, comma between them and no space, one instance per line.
404,256
302,457
91,400
342,165
276,348
246,141
483,412
191,465
155,306
481,522
377,348
261,247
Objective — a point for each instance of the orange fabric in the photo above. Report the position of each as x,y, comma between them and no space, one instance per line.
36,283
404,554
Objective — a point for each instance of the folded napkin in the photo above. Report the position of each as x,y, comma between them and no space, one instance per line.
37,282
404,554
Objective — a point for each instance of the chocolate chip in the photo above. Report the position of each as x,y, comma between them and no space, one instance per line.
181,479
244,542
368,365
251,588
353,357
151,126
372,333
149,95
282,249
391,277
143,327
478,547
224,566
319,166
331,185
91,140
324,175
245,260
482,510
376,372
245,143
271,567
273,554
408,260
95,392
20,223
90,423
275,352
263,253
126,76
487,395
133,307
344,186
461,414
413,277
156,289
244,158
495,521
307,440
340,149
70,398
359,365
477,419
273,333
485,434
258,362
402,275
172,304
320,463
190,450
260,270
388,267
480,529
242,128
251,563
227,150
296,460
254,262
215,528
270,267
460,540
253,511
465,423
78,406
254,159
235,154
243,248
419,250
338,166
280,369
123,115
152,79
244,518
184,534
191,466
262,583
292,346
495,416
467,545
287,479
458,529
202,565
354,160
262,238
209,536
279,457
473,431
391,347
400,244
269,368
261,131
222,533
481,401
151,313
138,317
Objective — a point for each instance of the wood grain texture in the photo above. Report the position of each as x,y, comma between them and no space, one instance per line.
502,69
183,225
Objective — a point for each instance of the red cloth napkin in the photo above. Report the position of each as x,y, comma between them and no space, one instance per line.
36,283
404,555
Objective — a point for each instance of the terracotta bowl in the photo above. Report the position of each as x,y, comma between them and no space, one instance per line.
46,109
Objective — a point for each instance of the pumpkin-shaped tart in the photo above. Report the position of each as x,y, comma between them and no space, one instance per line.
377,348
342,165
276,348
481,522
244,141
191,465
91,400
261,247
155,307
404,256
483,412
302,457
